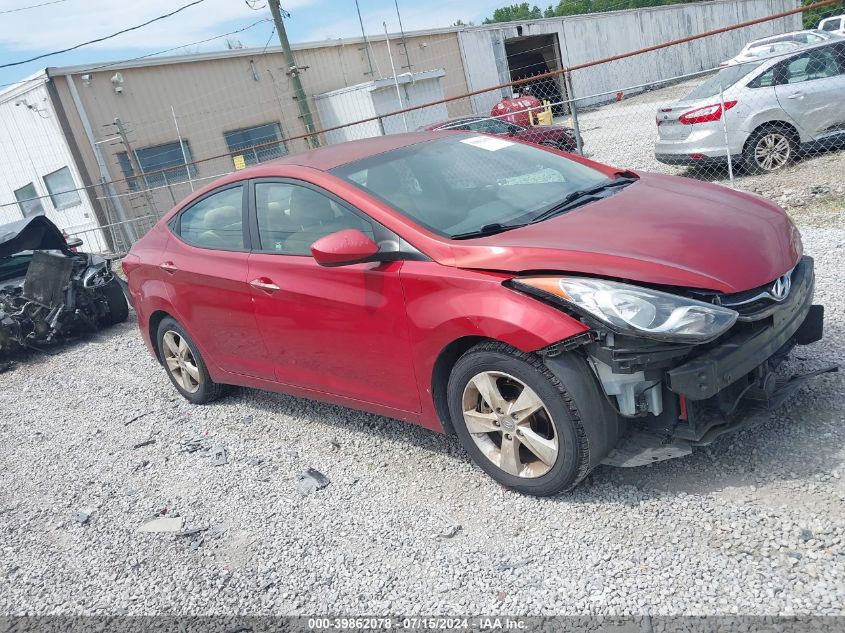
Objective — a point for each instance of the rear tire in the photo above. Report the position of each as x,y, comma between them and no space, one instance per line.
769,148
543,453
116,300
184,364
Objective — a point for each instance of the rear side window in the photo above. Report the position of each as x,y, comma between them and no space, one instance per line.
215,221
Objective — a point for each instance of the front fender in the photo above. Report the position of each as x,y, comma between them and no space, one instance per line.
446,304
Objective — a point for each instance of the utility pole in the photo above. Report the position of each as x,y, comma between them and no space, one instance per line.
293,73
402,31
133,160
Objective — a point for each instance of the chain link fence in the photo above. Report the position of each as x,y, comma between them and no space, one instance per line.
702,108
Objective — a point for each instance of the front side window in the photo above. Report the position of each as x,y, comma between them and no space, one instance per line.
62,189
257,144
816,64
292,217
458,185
28,200
215,222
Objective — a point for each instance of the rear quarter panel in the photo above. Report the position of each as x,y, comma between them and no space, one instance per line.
147,287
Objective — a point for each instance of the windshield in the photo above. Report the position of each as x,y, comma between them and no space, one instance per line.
723,79
457,185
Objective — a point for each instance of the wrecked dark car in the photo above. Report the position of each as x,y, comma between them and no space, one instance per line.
48,291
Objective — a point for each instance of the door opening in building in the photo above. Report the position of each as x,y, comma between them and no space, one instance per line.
535,55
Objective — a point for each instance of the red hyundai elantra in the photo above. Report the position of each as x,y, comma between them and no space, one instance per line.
552,312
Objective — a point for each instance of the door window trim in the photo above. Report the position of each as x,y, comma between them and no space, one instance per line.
175,224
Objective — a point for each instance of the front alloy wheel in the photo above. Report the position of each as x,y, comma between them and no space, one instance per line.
509,424
520,423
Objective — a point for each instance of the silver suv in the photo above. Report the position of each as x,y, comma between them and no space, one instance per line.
772,108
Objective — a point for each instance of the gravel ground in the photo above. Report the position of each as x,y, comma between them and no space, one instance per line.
753,524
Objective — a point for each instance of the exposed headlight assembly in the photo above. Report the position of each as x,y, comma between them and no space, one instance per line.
634,310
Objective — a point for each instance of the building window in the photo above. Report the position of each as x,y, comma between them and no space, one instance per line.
28,200
62,189
161,164
257,144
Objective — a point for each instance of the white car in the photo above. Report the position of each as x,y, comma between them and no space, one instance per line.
768,109
776,45
836,24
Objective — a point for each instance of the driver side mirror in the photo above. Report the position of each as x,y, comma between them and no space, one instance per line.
74,242
349,246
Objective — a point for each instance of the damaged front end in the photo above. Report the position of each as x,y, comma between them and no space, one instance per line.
49,292
674,396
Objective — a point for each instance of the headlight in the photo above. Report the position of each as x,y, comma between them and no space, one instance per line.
634,310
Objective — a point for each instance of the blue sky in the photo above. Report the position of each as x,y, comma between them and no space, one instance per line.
24,34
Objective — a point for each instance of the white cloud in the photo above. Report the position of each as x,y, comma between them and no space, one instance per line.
68,23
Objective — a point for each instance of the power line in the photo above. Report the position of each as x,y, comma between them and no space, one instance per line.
140,57
106,37
32,6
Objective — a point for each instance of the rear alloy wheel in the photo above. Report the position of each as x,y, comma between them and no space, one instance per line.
769,149
517,421
184,364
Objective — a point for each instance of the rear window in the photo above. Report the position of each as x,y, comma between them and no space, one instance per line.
830,25
723,80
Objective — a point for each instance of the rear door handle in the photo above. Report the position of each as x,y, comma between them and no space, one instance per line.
265,284
796,95
168,267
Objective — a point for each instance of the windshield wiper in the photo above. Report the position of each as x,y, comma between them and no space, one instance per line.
581,196
487,229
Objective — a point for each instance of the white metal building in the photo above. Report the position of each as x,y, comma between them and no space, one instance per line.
39,174
379,97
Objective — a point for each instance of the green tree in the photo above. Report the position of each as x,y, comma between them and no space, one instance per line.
814,16
522,11
575,7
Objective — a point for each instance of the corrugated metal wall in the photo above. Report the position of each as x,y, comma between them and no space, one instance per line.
590,37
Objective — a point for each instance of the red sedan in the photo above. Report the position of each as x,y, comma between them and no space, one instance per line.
557,136
541,306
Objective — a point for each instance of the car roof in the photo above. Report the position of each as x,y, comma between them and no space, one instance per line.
800,50
783,37
331,156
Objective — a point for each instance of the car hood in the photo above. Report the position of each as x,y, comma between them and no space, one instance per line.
30,234
661,229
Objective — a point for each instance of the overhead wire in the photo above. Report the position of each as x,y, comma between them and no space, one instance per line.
105,37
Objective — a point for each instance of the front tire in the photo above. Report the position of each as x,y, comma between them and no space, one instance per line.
517,420
184,365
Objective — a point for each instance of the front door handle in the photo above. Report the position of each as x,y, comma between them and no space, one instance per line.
168,267
796,95
265,284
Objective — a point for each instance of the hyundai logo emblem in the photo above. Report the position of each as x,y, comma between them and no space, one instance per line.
780,289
